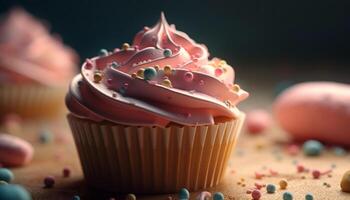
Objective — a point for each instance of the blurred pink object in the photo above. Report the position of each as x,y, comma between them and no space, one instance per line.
257,121
28,53
14,151
316,110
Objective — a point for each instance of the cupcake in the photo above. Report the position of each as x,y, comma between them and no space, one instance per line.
155,116
35,68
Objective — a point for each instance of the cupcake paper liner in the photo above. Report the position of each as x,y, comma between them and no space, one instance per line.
136,159
31,100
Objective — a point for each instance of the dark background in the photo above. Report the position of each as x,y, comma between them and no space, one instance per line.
296,32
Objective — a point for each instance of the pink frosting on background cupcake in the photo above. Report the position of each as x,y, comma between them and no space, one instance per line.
29,54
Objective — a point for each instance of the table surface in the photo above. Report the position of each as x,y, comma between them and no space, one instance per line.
253,154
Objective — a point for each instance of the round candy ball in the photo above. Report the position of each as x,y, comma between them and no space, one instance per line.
49,181
312,148
309,196
6,175
184,194
283,184
271,188
14,151
188,76
287,196
345,182
167,52
257,121
256,194
131,197
13,192
218,196
149,73
76,197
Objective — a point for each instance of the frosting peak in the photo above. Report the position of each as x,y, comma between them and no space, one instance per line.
163,77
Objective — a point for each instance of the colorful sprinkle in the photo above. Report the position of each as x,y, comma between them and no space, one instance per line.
114,64
125,46
236,88
167,83
204,195
97,77
293,149
345,182
6,175
184,194
312,148
218,196
300,168
130,197
149,73
167,70
283,184
49,181
76,197
287,196
167,52
45,136
188,76
66,172
339,151
316,174
309,196
88,64
140,72
218,72
271,188
256,194
103,52
14,192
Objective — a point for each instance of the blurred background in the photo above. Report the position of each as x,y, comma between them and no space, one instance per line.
293,40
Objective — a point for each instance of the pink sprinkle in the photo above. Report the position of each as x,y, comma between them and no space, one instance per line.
256,194
188,76
300,168
66,172
116,50
273,172
218,72
259,175
316,174
136,47
293,149
88,64
258,185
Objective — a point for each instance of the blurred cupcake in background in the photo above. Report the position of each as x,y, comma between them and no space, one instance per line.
35,67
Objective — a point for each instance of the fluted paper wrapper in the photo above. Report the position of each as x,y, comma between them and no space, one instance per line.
153,159
31,100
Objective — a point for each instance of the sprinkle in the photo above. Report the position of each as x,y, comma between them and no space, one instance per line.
273,172
339,151
6,175
134,75
300,168
316,174
167,70
45,136
293,149
236,88
188,76
283,184
218,196
49,182
309,196
312,148
204,195
103,52
167,52
130,197
156,67
287,196
140,72
88,64
259,175
114,64
167,83
97,77
149,73
125,46
66,172
76,197
271,188
218,72
184,194
256,194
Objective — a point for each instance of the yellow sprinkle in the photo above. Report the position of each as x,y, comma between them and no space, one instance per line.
133,75
222,62
167,70
140,72
156,67
167,83
125,46
236,88
97,77
283,184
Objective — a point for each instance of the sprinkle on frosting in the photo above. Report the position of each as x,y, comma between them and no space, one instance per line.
162,77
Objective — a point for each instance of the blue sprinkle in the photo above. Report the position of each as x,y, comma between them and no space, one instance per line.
76,197
45,136
218,196
122,90
339,151
103,52
149,73
6,175
14,192
312,148
184,194
287,196
271,188
309,196
114,64
167,52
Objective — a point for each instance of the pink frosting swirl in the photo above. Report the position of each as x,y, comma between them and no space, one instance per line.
164,77
29,54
